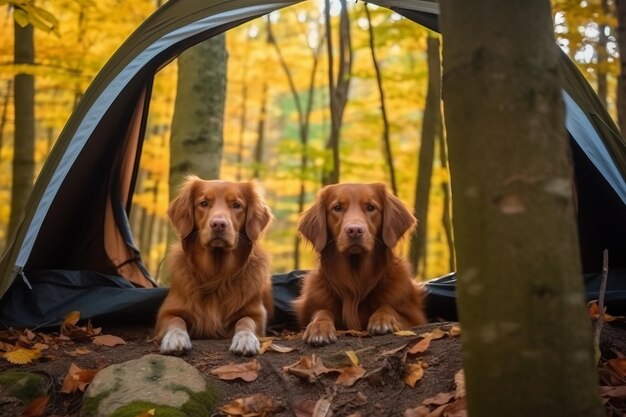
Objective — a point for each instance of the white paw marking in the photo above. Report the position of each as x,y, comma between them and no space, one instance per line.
175,341
245,343
380,328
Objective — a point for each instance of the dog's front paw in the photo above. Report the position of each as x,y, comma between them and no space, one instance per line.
320,333
245,343
382,323
175,341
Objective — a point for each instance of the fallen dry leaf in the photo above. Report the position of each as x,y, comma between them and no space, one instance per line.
71,318
393,351
593,310
439,399
37,407
22,356
304,408
457,409
148,413
618,365
348,376
405,333
248,371
415,372
613,392
434,334
454,330
322,407
108,340
255,406
308,367
354,359
77,379
265,346
420,346
79,351
419,411
459,382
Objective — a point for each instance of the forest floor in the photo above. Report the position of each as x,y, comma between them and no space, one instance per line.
359,375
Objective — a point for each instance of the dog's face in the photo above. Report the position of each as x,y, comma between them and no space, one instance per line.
355,216
219,213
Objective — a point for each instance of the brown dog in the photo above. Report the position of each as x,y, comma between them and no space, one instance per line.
359,282
220,278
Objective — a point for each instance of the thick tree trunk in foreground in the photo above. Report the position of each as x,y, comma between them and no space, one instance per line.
621,82
197,137
527,345
24,142
431,129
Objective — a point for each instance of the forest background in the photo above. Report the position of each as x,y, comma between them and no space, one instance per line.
276,65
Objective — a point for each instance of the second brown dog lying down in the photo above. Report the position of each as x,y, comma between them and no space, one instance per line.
359,282
220,277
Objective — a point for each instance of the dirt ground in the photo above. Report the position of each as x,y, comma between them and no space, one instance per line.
380,392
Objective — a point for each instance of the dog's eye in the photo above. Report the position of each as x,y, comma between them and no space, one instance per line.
204,203
236,205
337,208
371,207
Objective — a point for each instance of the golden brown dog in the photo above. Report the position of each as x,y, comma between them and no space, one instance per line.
359,282
220,278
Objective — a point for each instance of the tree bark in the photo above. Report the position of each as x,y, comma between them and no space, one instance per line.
621,82
24,142
447,200
304,117
197,138
431,129
338,92
603,55
383,108
527,343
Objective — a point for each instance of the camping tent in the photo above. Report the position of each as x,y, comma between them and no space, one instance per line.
73,249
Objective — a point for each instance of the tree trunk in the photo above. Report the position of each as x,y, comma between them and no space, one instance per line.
383,108
260,130
5,111
527,345
244,115
447,201
24,142
304,117
197,137
431,129
338,92
621,82
197,140
603,55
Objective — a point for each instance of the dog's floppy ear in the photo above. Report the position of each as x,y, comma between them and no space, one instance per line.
181,210
258,214
312,224
397,220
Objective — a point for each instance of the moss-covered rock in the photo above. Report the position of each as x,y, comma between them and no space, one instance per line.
25,386
167,384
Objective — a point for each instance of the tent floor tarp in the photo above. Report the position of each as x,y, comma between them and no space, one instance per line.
110,299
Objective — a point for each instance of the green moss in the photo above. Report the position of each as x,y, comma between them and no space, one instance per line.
157,368
25,386
92,404
202,403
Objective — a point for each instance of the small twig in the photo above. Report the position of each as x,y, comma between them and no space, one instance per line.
603,280
284,383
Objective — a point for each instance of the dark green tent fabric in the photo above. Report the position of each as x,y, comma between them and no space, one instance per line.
62,228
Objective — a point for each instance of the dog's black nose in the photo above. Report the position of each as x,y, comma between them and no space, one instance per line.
219,225
355,230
